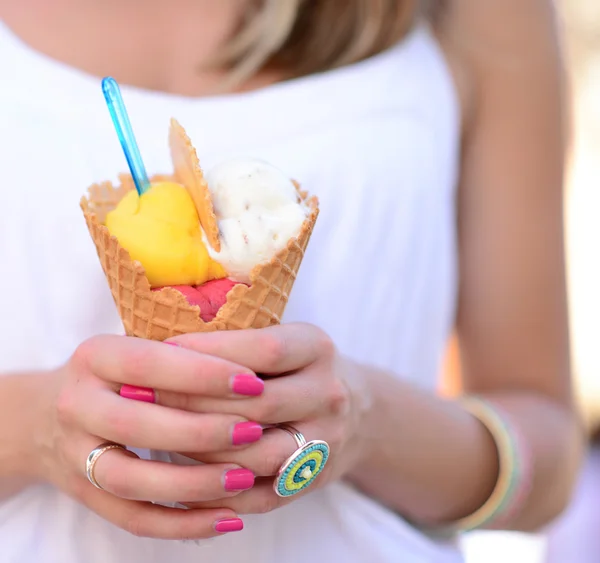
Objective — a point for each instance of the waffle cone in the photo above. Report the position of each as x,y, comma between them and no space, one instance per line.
189,173
158,315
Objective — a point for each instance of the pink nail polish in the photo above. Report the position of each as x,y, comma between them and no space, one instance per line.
247,384
238,480
144,394
229,525
246,433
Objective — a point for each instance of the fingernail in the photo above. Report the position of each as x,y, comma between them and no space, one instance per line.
229,525
247,384
173,344
246,433
144,394
239,480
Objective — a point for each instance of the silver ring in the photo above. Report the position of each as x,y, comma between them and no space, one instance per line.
94,456
294,433
300,470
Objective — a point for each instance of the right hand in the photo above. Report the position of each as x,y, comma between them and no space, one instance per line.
86,410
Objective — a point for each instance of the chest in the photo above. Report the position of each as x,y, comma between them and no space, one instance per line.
385,228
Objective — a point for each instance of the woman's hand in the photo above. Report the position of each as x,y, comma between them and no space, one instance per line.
86,410
307,385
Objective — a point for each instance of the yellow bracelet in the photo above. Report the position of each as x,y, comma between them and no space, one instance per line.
515,470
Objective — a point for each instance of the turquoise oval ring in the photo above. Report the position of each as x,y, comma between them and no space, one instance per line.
300,470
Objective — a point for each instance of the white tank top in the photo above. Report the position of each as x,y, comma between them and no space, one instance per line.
377,141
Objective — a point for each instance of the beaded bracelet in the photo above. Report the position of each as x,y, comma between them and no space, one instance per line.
515,474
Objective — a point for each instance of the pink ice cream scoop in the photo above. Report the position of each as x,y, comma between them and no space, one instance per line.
210,296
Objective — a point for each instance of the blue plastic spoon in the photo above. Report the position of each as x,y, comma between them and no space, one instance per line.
120,119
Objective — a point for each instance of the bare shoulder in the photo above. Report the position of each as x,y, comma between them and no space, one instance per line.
510,42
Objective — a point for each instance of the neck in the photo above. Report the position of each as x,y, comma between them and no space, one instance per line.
163,45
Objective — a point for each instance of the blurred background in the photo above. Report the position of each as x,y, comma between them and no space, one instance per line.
574,538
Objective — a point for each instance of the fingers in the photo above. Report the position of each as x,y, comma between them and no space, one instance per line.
265,458
149,520
100,412
125,475
300,396
271,351
260,500
136,517
144,363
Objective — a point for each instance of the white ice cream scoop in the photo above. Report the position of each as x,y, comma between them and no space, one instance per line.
257,211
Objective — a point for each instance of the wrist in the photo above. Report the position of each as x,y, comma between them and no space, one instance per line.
31,396
426,457
515,471
42,452
361,399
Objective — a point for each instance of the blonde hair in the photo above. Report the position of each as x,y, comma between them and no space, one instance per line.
301,37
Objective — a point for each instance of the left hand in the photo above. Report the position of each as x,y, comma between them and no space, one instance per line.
307,384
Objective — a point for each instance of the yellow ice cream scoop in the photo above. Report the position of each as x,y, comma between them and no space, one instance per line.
162,231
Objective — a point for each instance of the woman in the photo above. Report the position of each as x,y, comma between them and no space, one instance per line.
434,137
